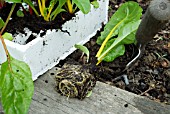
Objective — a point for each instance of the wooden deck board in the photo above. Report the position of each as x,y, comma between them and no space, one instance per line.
105,99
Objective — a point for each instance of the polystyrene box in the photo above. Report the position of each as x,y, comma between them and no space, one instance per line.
45,52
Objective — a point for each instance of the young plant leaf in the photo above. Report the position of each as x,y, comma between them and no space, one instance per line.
126,32
20,13
7,36
16,87
115,52
83,5
84,49
129,12
1,23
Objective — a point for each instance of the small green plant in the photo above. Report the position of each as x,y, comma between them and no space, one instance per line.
16,84
120,30
20,13
84,49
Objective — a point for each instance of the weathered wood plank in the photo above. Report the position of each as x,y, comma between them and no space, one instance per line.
104,100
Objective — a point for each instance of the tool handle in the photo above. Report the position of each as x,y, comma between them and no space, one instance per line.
156,16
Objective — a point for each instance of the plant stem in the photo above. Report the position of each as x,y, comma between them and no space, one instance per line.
70,8
40,7
9,16
2,30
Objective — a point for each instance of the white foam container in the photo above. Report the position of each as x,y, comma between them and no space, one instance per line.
43,53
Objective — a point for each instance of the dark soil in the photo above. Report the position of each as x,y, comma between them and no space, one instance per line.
150,75
31,21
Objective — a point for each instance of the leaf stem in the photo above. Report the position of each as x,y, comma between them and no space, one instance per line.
70,8
40,7
2,30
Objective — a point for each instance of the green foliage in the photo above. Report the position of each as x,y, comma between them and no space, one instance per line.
123,24
83,49
1,23
7,36
58,9
95,4
20,13
13,1
16,87
83,5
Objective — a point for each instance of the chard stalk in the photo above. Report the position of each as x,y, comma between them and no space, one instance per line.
40,7
49,12
70,8
107,38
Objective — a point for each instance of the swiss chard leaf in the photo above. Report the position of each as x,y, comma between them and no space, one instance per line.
16,87
129,11
126,33
116,51
121,24
83,5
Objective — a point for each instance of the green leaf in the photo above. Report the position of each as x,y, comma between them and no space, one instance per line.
121,24
83,5
14,1
127,12
115,52
16,87
95,4
20,13
84,49
1,23
125,32
58,9
7,36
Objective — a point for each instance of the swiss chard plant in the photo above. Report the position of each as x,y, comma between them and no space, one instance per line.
120,30
83,5
48,12
16,84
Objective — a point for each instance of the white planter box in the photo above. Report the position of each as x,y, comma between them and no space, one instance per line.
45,52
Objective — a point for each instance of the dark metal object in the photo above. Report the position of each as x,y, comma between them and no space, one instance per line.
155,18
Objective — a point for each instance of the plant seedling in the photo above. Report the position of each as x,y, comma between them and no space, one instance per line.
84,50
